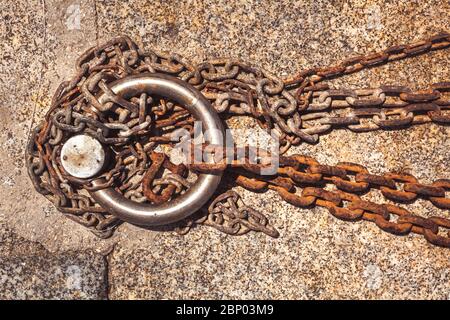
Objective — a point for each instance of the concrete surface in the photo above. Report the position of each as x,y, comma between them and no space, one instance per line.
30,271
316,255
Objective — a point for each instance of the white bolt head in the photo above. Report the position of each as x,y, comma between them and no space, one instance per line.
82,156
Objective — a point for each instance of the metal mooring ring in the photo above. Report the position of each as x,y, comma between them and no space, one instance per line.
197,195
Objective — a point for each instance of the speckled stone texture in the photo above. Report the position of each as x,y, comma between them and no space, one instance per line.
316,256
29,271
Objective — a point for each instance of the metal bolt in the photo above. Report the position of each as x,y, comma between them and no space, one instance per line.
82,156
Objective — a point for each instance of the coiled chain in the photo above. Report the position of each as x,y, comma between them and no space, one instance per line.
295,109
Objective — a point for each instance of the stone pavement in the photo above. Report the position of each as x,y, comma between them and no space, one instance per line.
45,255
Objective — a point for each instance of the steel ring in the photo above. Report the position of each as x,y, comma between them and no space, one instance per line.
196,196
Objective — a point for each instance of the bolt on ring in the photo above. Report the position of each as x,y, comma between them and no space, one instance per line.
146,214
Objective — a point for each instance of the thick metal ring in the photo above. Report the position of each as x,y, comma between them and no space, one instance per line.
188,203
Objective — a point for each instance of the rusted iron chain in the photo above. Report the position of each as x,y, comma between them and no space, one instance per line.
296,109
302,181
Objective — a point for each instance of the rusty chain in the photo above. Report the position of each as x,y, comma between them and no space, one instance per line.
295,109
302,181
